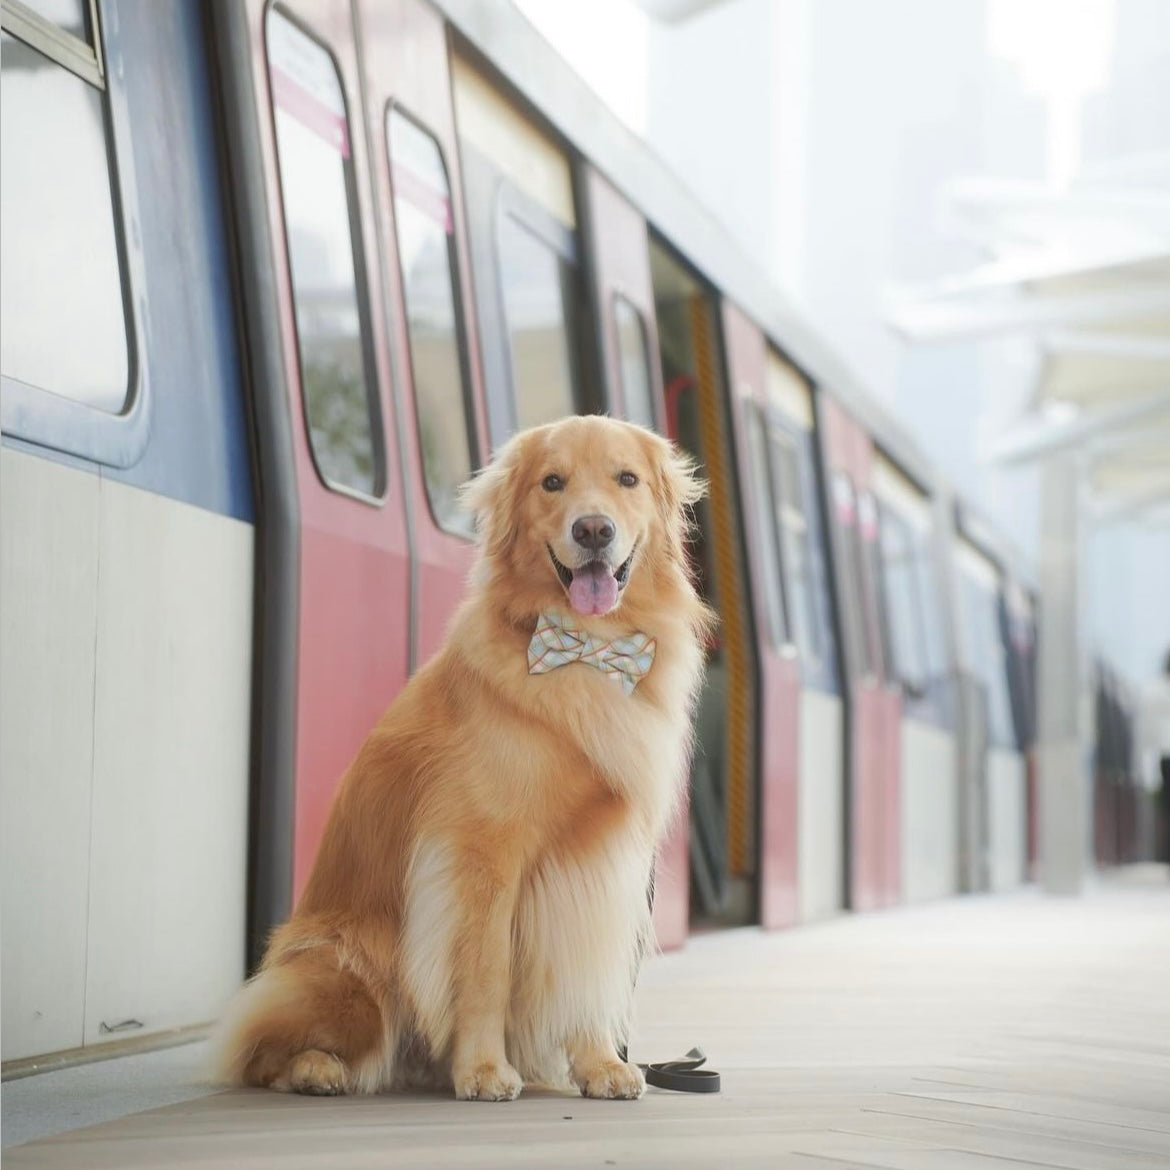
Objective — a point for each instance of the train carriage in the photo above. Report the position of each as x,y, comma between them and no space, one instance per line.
335,253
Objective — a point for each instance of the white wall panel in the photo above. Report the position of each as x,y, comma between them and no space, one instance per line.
48,589
930,812
170,763
1006,818
820,806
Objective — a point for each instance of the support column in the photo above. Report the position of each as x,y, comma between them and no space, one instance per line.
1062,780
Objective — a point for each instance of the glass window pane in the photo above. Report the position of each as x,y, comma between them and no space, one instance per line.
537,287
312,137
796,554
765,523
987,657
426,252
903,603
876,616
853,586
633,358
929,592
71,15
62,316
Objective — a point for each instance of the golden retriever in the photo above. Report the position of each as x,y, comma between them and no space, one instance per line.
477,910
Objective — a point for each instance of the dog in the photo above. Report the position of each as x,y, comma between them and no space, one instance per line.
478,908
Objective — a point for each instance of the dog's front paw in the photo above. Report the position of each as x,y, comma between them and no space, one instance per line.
315,1073
489,1081
610,1079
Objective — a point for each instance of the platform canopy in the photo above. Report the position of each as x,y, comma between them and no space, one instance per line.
1084,272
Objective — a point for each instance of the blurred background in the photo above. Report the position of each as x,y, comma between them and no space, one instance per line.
971,201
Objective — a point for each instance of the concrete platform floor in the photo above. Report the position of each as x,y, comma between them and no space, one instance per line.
981,1032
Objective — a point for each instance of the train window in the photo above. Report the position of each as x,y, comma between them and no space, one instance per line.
980,584
854,604
796,559
932,621
320,213
904,603
766,536
69,15
634,362
63,325
64,30
869,560
538,287
426,251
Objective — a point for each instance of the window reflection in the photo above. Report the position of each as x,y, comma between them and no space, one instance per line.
904,604
765,522
62,315
422,215
537,286
312,137
633,362
981,603
854,592
792,511
876,614
67,14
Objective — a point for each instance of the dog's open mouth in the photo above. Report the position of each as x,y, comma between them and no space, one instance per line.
593,587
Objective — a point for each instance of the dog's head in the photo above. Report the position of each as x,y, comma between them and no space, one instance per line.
579,508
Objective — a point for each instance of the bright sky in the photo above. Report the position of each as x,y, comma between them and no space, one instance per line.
606,42
1061,47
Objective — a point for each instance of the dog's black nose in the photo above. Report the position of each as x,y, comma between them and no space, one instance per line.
593,532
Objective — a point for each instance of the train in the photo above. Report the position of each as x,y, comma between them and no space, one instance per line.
277,279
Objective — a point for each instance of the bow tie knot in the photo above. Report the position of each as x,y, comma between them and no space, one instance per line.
557,642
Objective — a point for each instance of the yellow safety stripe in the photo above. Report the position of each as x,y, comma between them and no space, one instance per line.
729,599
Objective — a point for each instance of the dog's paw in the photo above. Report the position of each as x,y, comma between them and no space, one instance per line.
315,1073
610,1079
490,1081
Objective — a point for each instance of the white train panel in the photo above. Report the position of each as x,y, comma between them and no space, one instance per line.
127,634
820,806
174,658
1006,818
48,582
930,812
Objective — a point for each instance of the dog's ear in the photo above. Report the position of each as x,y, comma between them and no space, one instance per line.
676,488
491,496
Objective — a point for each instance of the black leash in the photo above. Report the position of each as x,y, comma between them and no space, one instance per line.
683,1076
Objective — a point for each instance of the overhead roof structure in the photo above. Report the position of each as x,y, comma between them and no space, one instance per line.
1085,273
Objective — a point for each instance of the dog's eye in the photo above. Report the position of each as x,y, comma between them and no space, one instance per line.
553,483
628,479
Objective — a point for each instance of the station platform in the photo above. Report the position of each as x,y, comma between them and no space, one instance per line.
981,1032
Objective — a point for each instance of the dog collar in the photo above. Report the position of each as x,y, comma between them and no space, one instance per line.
557,641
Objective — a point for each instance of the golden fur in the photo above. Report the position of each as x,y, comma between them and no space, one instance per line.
477,910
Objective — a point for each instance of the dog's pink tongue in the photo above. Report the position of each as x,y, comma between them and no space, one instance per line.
594,590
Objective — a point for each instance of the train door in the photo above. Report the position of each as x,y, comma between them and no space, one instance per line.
617,242
421,227
874,712
1017,630
720,832
331,414
916,662
995,799
779,692
804,565
525,248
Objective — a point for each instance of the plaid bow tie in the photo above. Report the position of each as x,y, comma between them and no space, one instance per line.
557,643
